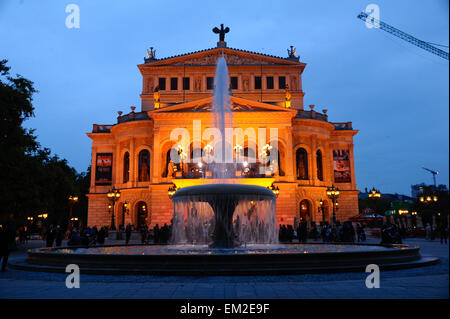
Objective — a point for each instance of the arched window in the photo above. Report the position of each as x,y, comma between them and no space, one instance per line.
302,164
144,166
319,165
126,167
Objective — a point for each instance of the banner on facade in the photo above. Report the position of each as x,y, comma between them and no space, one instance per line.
341,162
103,169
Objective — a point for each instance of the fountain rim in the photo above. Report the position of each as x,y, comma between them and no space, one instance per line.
224,189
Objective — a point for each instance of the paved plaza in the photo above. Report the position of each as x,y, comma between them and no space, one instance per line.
424,282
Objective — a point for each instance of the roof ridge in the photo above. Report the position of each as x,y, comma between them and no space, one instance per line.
204,50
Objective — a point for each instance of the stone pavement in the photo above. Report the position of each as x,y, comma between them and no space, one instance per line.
424,282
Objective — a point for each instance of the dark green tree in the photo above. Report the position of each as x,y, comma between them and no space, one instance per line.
31,180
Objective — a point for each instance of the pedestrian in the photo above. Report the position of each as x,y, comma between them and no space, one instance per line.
59,235
428,232
156,234
128,234
144,232
101,236
50,236
7,237
443,233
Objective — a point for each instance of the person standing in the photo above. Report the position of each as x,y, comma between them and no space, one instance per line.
443,233
101,236
50,236
428,232
144,232
156,234
127,234
4,247
59,235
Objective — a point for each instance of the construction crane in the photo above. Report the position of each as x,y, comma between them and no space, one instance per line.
434,174
402,35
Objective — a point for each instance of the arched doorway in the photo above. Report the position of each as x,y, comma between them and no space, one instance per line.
141,214
305,210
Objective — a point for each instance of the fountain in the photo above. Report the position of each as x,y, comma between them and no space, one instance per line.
223,229
252,206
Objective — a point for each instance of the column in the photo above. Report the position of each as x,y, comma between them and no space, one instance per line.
156,163
132,163
289,169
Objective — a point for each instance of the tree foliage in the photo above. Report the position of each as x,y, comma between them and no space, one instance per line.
32,181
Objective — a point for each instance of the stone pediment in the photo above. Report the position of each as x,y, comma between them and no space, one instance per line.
232,56
238,105
231,59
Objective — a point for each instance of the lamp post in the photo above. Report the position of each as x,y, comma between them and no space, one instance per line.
171,191
72,201
333,194
113,196
428,200
275,190
375,195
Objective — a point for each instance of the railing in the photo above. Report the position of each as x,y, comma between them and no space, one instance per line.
311,115
343,126
133,117
97,128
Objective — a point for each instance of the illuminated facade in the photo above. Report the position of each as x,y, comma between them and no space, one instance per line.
133,154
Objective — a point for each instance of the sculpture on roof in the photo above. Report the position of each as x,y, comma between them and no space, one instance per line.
292,52
151,54
221,32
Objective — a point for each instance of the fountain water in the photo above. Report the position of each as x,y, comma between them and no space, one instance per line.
225,214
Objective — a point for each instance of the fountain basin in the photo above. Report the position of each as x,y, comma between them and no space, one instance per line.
201,260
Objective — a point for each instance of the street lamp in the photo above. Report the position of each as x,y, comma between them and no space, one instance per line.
72,201
375,195
333,194
113,196
171,191
428,199
44,215
275,190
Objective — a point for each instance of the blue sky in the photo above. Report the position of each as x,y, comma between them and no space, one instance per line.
396,94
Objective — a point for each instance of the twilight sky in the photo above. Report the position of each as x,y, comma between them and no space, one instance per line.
396,94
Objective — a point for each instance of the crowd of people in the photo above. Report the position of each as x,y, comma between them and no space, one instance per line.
345,232
337,232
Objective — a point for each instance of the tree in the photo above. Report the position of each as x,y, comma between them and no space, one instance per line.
31,180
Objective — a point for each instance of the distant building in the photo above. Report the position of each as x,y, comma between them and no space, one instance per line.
419,189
